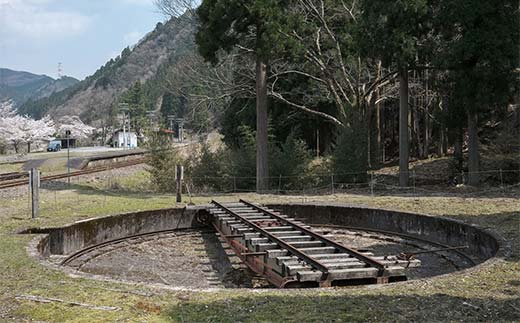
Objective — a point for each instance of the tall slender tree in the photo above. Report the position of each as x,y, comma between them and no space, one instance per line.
254,26
393,33
480,50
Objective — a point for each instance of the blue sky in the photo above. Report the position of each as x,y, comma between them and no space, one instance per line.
36,35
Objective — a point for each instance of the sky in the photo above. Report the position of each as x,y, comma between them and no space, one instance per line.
36,35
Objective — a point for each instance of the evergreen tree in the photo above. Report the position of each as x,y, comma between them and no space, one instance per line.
480,49
254,24
393,32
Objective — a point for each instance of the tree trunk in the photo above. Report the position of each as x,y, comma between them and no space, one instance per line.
404,144
368,122
417,129
426,147
458,154
262,170
442,139
473,150
379,131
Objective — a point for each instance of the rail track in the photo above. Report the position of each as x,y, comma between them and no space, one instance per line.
12,176
8,183
289,254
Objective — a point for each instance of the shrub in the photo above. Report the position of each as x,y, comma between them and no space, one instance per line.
207,170
162,160
289,164
350,156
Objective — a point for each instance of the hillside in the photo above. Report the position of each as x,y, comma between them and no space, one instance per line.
94,98
22,86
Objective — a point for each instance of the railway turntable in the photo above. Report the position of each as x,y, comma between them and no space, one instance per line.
290,254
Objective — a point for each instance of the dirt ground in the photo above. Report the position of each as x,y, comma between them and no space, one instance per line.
199,259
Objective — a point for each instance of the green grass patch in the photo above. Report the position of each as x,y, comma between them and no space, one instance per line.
488,294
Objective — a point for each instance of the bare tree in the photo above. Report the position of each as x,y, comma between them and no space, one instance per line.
176,8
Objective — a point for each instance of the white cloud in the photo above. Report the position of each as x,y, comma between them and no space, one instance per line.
32,19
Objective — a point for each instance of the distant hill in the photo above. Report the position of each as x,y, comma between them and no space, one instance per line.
22,86
96,96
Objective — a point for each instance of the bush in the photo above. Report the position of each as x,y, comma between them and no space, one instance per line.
242,161
162,160
350,156
207,170
232,169
289,164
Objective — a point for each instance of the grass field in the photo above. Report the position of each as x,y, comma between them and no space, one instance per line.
490,293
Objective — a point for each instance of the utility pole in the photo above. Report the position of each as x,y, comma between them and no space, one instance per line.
151,117
171,119
180,123
124,108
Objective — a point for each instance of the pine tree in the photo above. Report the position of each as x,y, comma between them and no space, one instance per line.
480,50
254,24
392,32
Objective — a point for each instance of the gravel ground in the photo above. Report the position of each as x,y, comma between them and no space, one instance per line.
191,260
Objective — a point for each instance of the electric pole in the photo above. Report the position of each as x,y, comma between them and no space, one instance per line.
124,107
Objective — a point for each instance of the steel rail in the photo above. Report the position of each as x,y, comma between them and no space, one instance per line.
12,176
87,171
308,259
354,253
404,235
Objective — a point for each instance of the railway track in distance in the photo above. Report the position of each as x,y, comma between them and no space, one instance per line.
9,183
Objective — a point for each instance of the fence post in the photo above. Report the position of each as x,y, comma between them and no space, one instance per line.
332,183
279,184
179,176
501,179
34,188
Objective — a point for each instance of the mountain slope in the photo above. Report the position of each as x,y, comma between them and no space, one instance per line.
22,86
94,98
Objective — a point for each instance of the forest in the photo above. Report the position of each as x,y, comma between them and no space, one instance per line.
361,84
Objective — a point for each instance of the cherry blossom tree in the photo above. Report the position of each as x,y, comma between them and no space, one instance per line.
17,130
7,109
10,131
78,129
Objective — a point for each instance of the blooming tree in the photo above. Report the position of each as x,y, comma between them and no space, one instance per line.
18,130
78,129
7,109
10,131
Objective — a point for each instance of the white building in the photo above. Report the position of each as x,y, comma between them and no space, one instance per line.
118,139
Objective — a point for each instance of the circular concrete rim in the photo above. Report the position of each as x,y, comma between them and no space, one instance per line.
503,251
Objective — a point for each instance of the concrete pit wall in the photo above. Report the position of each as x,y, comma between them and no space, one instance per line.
87,233
441,230
80,235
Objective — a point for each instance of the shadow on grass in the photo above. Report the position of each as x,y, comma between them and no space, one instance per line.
327,308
